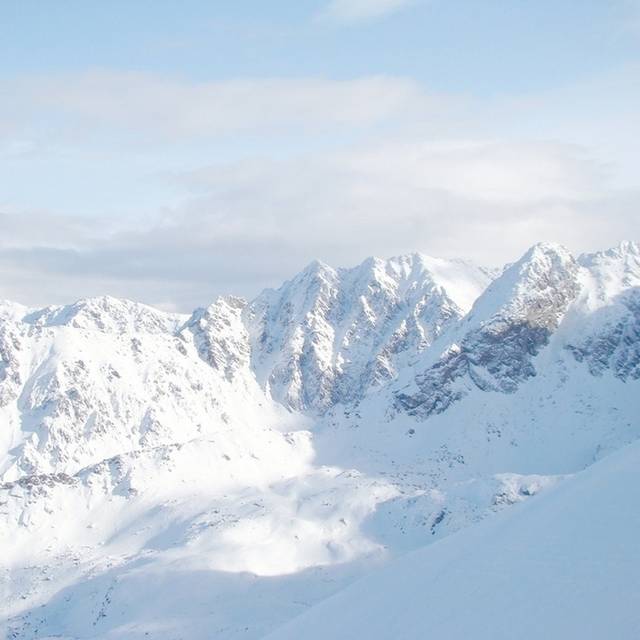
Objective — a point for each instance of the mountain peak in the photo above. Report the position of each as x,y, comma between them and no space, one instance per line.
546,251
316,268
629,246
106,314
625,251
509,324
328,335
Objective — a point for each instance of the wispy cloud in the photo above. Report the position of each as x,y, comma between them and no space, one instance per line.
168,108
348,168
256,222
358,10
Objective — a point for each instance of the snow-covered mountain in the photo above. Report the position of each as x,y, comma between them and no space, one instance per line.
328,335
105,377
162,474
547,296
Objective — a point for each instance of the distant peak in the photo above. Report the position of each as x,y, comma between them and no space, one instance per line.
106,314
372,261
628,247
624,250
317,265
546,250
234,302
315,269
413,258
220,304
223,307
106,302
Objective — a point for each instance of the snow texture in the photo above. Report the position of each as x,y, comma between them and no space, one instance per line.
413,447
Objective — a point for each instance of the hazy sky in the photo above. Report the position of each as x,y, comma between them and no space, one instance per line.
170,151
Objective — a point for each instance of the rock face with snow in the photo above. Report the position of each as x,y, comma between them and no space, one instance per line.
509,324
103,377
270,452
591,305
329,335
612,300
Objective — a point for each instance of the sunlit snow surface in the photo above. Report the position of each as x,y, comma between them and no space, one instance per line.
221,474
565,565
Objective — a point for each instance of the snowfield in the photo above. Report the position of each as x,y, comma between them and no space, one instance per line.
565,565
410,448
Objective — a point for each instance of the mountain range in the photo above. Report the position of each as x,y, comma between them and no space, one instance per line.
409,448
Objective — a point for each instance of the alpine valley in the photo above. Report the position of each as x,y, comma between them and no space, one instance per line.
413,448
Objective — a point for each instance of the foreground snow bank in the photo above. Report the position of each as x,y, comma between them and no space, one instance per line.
564,565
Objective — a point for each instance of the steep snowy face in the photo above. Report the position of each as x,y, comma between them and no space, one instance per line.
82,383
607,335
494,347
329,335
221,337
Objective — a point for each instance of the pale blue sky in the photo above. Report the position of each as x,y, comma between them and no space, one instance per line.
170,151
481,46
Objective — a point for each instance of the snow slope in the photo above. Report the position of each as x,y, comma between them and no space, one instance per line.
563,565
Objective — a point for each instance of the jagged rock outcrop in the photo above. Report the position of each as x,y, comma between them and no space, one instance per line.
329,335
494,348
610,340
220,336
102,377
